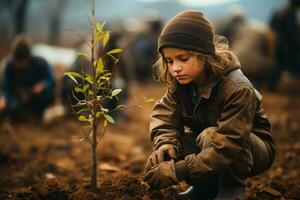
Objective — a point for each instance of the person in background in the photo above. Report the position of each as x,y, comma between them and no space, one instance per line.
143,51
286,25
253,44
28,83
231,23
209,129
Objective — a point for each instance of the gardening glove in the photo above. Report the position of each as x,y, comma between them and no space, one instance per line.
161,175
163,153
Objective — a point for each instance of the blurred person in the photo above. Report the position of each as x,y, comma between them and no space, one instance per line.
28,83
229,25
254,44
251,41
142,50
3,63
209,128
285,23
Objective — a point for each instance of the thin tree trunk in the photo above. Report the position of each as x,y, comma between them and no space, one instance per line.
19,16
94,160
94,110
55,22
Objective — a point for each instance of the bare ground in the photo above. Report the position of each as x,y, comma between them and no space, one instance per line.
48,162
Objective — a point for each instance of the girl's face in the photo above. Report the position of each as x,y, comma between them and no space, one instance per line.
184,66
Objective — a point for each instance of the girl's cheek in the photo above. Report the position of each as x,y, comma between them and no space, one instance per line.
171,72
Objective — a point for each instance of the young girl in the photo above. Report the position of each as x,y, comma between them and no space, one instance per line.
209,128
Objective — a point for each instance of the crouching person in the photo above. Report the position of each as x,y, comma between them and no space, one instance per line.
209,128
28,85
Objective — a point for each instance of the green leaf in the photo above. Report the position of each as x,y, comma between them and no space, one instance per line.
100,66
98,114
100,36
102,78
115,92
105,123
109,118
115,51
105,39
113,57
82,54
88,78
100,26
73,75
104,110
100,83
107,74
78,89
83,118
83,110
120,106
85,87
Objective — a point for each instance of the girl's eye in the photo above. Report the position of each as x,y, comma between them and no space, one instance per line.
184,59
169,61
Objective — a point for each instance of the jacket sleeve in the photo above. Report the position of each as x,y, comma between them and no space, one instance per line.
166,123
47,74
227,140
8,83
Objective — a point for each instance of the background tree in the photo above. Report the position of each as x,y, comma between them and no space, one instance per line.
18,11
55,20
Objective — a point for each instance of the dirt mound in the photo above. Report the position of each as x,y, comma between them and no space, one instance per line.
123,187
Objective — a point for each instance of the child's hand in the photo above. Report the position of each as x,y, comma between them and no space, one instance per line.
164,153
38,88
2,103
162,175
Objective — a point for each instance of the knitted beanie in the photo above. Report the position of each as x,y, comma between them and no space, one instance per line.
188,30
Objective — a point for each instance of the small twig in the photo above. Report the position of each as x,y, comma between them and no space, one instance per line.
101,135
125,108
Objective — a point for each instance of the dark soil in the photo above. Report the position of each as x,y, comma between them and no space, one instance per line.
123,187
49,162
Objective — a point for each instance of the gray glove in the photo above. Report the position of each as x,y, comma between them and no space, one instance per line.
163,153
161,175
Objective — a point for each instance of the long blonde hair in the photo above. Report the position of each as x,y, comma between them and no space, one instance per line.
214,63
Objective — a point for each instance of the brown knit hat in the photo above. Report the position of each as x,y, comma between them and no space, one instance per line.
188,30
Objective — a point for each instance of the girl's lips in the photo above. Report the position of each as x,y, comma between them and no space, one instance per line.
181,77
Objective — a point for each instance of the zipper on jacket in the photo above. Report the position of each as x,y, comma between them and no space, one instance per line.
195,100
195,108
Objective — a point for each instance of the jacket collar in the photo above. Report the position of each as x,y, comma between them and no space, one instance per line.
205,90
212,79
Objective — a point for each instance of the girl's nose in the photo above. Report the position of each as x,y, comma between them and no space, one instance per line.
177,67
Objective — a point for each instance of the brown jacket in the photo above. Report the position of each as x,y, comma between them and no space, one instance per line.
229,103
